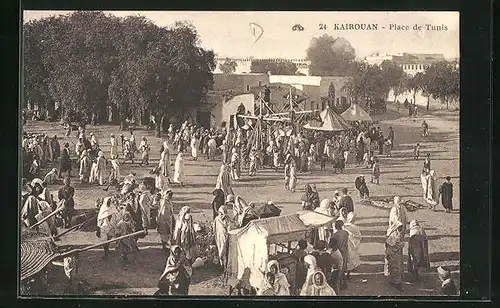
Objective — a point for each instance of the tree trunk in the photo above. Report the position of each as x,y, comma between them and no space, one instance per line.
123,124
428,102
162,123
447,104
110,114
94,118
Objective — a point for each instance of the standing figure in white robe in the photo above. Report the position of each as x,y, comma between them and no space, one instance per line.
212,148
397,215
145,203
293,176
144,149
353,244
94,143
235,165
101,168
113,146
79,147
93,172
221,228
281,285
179,175
115,169
195,145
166,219
432,190
225,150
224,181
85,167
107,221
164,163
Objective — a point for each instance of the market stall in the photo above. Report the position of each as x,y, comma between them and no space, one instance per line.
267,239
249,247
356,114
331,122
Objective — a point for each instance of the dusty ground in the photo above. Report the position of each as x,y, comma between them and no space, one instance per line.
399,175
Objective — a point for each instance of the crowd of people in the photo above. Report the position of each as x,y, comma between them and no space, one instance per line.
148,204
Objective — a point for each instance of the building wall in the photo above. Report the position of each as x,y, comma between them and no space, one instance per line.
230,107
239,82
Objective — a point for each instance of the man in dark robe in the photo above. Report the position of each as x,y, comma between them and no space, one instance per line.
338,263
361,186
380,142
391,136
66,193
342,238
346,201
324,259
56,148
446,191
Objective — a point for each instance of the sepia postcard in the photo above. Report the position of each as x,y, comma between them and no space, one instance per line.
251,153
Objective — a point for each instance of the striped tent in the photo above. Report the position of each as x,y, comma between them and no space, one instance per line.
331,122
356,113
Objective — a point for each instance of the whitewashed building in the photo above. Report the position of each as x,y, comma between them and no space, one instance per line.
243,64
411,63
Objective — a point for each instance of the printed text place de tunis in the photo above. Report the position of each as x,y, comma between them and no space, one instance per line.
392,27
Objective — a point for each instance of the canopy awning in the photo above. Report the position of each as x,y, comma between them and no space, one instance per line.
356,113
313,219
331,122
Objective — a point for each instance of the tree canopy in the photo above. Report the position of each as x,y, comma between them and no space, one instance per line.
90,61
228,66
330,56
442,81
276,68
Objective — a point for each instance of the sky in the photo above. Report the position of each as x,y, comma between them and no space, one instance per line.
229,34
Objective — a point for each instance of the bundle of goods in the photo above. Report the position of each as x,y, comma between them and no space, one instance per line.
385,203
388,203
412,206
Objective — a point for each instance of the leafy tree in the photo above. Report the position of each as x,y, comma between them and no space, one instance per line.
330,56
394,77
228,66
417,83
367,85
276,68
88,62
443,81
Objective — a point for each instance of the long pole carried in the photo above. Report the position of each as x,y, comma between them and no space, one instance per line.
75,227
100,244
47,217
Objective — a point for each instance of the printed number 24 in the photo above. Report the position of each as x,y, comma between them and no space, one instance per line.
322,26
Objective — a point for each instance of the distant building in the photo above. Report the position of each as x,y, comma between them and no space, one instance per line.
243,64
378,58
231,90
411,63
